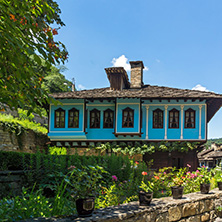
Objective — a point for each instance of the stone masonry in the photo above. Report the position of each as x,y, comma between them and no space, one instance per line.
193,207
136,76
28,141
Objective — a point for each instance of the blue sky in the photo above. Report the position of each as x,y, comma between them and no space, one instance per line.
180,43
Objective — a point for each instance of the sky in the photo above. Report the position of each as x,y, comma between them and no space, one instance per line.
179,42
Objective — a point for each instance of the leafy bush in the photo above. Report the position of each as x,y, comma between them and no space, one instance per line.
54,150
23,114
45,168
18,126
34,204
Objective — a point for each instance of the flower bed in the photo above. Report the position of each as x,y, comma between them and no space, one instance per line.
84,181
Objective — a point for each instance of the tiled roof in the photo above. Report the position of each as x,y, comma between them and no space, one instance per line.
146,91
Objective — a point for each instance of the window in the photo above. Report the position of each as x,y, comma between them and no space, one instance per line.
60,118
108,117
174,118
73,118
128,118
157,118
190,118
95,118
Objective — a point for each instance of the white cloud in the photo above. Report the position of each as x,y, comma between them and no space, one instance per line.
122,61
200,88
157,60
81,87
146,68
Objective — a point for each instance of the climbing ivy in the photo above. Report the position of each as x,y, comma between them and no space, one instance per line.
145,147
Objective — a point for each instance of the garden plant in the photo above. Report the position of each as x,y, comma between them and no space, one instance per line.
55,181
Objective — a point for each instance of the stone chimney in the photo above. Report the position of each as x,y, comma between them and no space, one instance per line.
136,76
118,78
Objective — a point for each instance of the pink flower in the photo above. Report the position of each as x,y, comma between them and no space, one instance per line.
114,178
164,173
71,167
197,171
189,165
188,172
192,175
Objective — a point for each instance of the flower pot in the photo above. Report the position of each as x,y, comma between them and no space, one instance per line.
85,206
145,198
204,188
219,185
177,192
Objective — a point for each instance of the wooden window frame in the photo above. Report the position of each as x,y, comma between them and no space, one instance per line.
91,112
194,118
178,120
69,122
60,111
159,119
128,123
104,123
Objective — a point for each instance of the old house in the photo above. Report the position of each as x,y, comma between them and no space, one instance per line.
132,111
211,156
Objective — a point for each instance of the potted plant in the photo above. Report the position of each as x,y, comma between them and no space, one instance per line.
204,179
84,187
218,177
177,188
146,191
176,184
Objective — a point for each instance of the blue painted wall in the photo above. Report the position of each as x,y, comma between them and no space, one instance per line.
108,134
100,133
133,104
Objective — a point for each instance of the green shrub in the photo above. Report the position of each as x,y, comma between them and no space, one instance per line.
18,126
43,168
23,114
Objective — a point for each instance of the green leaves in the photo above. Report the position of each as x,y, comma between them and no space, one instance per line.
147,147
84,180
17,126
25,30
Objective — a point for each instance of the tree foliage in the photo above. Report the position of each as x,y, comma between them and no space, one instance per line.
55,81
26,37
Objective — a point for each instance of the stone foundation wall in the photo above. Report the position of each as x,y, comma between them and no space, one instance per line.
28,141
194,207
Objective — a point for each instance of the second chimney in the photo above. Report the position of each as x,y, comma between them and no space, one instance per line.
136,76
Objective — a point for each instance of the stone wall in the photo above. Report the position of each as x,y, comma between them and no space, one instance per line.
194,207
28,141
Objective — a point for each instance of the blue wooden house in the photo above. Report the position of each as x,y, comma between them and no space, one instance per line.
131,111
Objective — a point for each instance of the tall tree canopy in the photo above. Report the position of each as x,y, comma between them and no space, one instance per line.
55,81
27,30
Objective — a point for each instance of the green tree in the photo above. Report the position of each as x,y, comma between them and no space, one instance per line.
27,30
56,82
